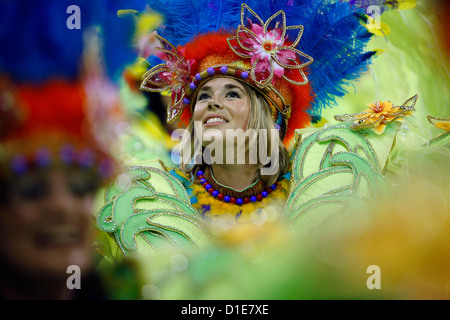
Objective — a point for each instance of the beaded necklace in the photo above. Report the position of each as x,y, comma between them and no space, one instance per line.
254,192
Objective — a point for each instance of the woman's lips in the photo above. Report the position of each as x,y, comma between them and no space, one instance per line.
214,121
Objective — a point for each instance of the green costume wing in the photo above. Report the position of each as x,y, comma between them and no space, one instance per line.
147,208
335,169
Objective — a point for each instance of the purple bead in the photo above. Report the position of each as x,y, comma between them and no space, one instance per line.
211,71
199,173
192,86
202,181
208,186
198,76
273,187
226,198
186,101
43,157
239,201
67,154
264,194
224,69
105,168
19,164
215,193
86,158
244,75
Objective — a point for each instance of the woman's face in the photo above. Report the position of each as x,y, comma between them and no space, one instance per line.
46,224
222,103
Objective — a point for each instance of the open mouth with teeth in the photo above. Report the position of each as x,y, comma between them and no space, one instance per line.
213,121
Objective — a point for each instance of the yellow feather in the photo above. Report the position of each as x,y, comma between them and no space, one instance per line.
405,4
378,28
148,22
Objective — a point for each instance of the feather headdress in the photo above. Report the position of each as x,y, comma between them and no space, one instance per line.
274,43
56,84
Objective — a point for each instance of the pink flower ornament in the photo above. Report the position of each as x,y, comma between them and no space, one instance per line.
270,46
173,75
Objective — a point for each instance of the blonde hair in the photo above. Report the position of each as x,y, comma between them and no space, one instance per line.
260,117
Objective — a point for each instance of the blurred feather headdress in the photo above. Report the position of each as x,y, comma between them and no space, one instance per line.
58,103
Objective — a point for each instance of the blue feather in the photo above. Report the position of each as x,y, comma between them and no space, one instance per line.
336,40
382,5
219,14
185,19
37,45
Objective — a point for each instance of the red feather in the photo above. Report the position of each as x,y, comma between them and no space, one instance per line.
54,107
208,44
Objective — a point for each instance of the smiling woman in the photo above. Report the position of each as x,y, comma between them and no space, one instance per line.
238,120
45,220
49,173
241,90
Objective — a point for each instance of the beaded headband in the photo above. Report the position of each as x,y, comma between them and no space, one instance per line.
49,126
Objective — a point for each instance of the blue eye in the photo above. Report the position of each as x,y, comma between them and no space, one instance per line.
203,96
233,94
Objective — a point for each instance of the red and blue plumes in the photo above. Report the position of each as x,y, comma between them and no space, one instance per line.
41,62
333,36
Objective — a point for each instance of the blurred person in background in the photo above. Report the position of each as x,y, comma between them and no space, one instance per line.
48,181
59,111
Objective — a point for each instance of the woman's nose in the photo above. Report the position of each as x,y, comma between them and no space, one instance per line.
61,204
214,104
